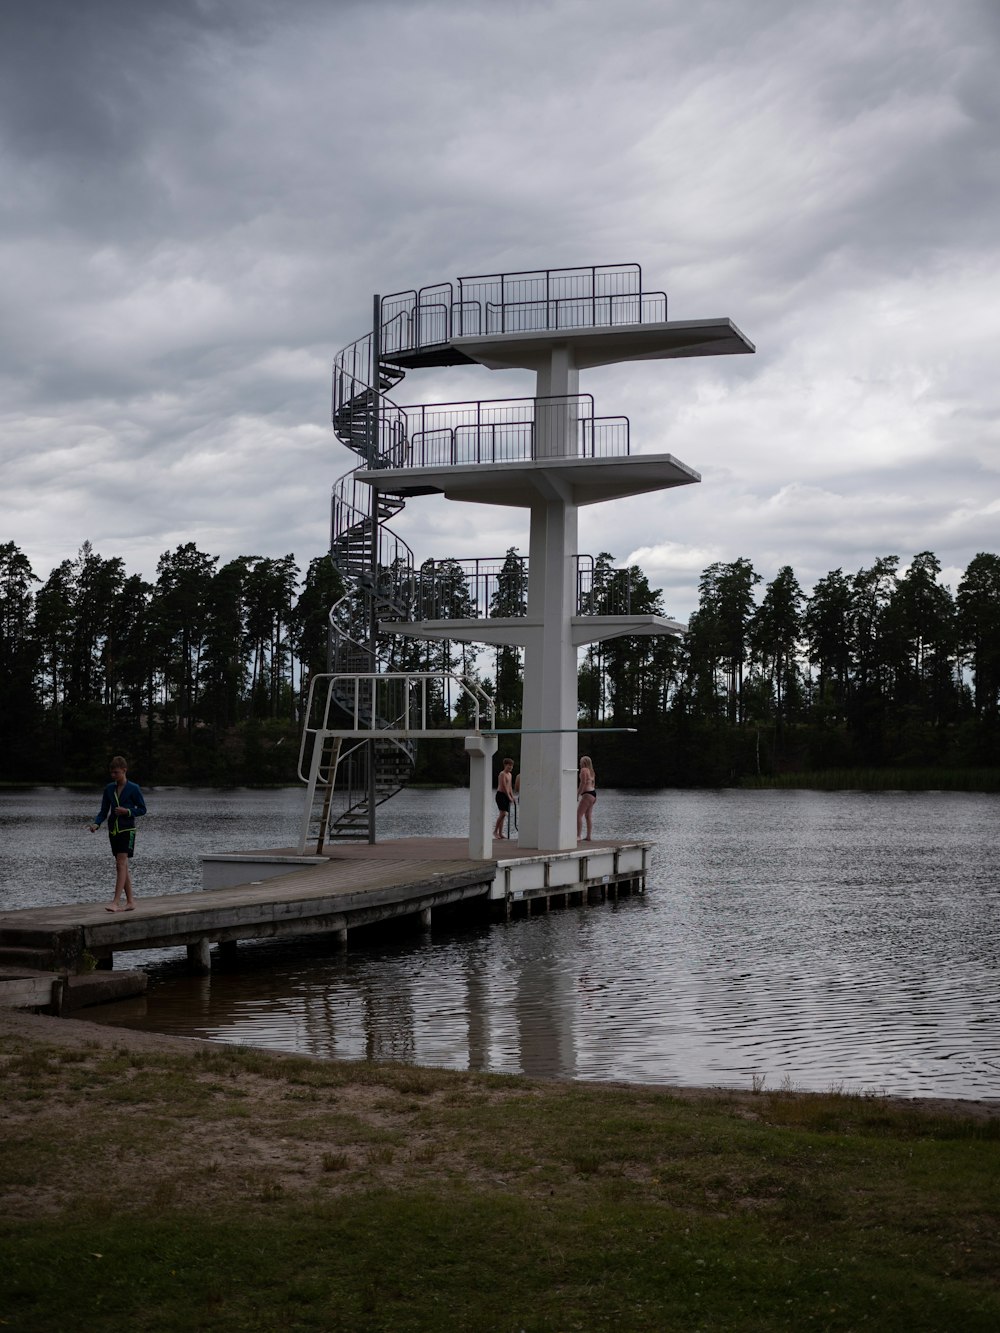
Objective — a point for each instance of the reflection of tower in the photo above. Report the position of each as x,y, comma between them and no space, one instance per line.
548,455
546,1008
477,1008
389,1024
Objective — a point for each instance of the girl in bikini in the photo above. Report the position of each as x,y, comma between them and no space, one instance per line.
586,791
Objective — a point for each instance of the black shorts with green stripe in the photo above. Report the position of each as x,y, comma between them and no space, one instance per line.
123,842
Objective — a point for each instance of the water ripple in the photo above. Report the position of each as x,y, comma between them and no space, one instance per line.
824,940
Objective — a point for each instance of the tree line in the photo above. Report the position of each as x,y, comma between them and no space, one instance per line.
884,667
191,673
200,673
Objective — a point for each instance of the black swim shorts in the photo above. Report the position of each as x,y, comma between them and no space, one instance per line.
123,842
503,801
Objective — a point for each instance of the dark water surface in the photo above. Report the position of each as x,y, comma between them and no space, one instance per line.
841,939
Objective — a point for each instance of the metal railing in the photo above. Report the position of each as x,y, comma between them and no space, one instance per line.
470,589
602,590
473,588
503,430
575,312
412,699
531,300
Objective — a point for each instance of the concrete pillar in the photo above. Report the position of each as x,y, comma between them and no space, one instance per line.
200,957
547,813
556,428
341,937
548,758
425,918
481,750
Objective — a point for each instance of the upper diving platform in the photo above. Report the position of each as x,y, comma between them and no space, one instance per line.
595,346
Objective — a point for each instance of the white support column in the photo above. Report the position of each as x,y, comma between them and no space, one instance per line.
548,759
481,750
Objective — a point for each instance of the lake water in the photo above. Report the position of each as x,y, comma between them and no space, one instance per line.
828,940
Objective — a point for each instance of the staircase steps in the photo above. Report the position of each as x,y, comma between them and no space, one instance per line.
351,553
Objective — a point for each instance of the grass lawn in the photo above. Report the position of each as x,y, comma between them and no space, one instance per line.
228,1188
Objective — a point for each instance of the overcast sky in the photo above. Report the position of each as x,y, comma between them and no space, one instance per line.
199,198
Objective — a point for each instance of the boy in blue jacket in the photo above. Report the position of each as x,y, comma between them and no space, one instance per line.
121,804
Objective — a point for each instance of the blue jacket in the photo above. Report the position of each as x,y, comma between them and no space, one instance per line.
130,798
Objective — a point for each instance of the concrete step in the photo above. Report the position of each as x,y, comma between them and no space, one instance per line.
18,938
38,959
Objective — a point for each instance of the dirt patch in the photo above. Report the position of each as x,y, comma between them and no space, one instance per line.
261,1126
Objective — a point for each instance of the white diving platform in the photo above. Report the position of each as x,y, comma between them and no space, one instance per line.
667,340
524,482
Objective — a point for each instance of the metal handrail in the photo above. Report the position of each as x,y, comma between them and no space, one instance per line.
602,590
553,309
600,285
505,430
367,717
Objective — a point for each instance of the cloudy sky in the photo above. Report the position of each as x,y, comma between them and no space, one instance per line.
200,197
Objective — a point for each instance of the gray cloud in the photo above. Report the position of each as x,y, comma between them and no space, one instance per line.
200,198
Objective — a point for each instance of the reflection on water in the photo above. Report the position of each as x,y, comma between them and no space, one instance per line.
843,939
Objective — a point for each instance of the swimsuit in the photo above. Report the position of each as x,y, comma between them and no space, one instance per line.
121,828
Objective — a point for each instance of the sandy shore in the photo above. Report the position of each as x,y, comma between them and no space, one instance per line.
77,1033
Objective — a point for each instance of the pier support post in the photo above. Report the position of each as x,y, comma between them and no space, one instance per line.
200,957
340,936
425,918
227,952
481,750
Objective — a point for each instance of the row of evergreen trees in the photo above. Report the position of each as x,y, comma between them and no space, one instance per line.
94,658
878,668
200,673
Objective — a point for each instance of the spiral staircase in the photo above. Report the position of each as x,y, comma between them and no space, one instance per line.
358,519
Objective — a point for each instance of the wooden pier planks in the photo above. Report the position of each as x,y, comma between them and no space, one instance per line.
356,885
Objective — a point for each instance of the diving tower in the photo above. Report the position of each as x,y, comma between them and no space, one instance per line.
548,454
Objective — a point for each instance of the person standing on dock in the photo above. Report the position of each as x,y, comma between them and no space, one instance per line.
586,796
121,804
505,795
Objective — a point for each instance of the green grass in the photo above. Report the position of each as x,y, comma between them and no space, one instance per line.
393,1198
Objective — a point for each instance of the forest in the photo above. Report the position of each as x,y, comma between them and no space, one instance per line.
199,676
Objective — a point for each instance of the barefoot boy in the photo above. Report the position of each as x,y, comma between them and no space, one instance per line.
121,804
504,796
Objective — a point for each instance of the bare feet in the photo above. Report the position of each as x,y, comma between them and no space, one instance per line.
113,906
129,907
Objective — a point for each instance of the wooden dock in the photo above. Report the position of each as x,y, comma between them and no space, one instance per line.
269,894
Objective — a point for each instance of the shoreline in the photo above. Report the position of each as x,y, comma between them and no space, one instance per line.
79,1033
